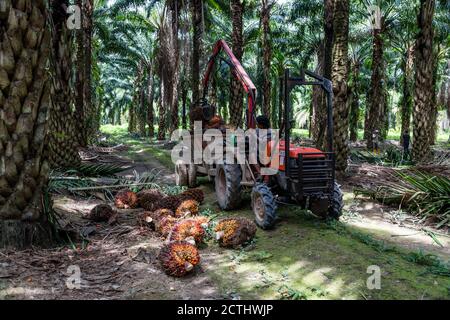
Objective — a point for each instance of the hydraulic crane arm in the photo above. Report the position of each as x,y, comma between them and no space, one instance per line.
239,72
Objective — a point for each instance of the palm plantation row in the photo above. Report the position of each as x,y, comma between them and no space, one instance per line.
141,62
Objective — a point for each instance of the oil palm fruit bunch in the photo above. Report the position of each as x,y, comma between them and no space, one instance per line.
194,194
150,218
203,220
102,213
165,224
148,198
233,232
187,208
188,230
170,202
178,258
126,199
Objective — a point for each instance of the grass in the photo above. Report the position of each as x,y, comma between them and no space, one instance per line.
137,146
303,258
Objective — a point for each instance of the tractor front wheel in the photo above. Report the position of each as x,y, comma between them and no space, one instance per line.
264,206
337,203
228,186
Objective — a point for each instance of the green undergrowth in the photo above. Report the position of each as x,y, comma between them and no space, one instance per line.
138,147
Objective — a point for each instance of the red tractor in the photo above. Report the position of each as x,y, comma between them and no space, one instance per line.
305,177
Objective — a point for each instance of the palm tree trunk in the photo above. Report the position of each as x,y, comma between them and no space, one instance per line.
197,40
25,105
319,116
354,102
339,79
184,93
237,11
423,88
162,115
267,56
151,97
328,40
325,54
142,115
213,92
63,142
434,102
90,112
79,82
407,97
376,103
175,73
135,118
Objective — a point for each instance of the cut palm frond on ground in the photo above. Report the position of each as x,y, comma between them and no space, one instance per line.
427,195
68,183
94,170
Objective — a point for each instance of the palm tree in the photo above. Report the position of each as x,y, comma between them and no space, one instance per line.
423,86
324,66
175,7
150,99
90,112
25,104
339,78
79,82
266,7
354,92
237,11
63,141
376,113
197,45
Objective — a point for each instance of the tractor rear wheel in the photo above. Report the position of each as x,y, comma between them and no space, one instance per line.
181,175
264,206
337,203
228,186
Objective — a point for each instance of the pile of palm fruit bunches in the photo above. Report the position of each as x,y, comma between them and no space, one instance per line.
176,218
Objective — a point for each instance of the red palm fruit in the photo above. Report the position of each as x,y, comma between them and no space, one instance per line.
126,199
233,232
169,202
187,230
101,213
194,194
186,208
204,221
179,258
165,224
161,213
148,198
